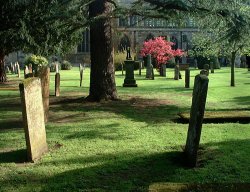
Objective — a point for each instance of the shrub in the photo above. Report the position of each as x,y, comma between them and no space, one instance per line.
36,61
119,58
66,65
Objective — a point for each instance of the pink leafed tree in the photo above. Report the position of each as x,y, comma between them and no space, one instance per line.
160,49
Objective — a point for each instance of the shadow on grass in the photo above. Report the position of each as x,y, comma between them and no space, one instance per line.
242,100
138,109
18,156
137,172
11,124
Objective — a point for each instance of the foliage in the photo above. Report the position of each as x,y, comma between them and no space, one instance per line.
36,60
66,65
160,49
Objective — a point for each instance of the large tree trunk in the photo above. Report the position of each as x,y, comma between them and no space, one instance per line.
233,56
102,76
3,77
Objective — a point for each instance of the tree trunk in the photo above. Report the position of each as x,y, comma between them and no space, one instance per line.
102,75
232,68
3,77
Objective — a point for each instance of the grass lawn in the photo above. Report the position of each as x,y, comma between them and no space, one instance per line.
127,145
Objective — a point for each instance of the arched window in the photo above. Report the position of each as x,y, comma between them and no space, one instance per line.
85,45
124,43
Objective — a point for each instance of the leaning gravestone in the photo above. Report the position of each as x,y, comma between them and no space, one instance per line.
196,119
33,118
18,70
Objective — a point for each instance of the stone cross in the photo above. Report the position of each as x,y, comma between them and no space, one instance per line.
196,119
33,118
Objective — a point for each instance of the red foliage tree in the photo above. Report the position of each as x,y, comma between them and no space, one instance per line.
160,49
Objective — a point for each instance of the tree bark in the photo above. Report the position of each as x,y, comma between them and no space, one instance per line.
232,68
3,77
102,75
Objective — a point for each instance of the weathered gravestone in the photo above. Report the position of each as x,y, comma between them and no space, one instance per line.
187,78
57,81
163,70
26,72
206,67
196,119
44,74
149,67
33,118
140,67
18,70
212,67
176,72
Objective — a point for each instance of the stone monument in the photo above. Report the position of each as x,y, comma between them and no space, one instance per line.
196,119
129,80
33,118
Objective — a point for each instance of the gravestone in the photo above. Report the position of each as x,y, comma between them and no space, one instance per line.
18,70
26,72
212,67
206,67
187,78
149,67
7,69
204,72
122,68
81,76
153,74
33,118
176,72
163,70
57,84
196,119
140,67
44,74
129,80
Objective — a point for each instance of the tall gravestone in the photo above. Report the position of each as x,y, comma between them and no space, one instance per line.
18,70
44,74
140,67
57,81
149,67
196,118
81,76
163,70
187,78
176,72
33,118
212,67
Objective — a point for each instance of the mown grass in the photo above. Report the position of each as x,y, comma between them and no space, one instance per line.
126,145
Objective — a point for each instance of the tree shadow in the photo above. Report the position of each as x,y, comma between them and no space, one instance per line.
138,109
15,156
11,124
245,100
137,172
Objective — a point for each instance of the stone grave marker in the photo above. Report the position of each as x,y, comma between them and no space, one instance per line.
140,67
7,69
18,70
81,76
26,72
196,119
57,84
176,72
206,67
149,67
33,118
129,80
187,78
204,72
212,67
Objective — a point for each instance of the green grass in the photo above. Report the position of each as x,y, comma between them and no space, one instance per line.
126,145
